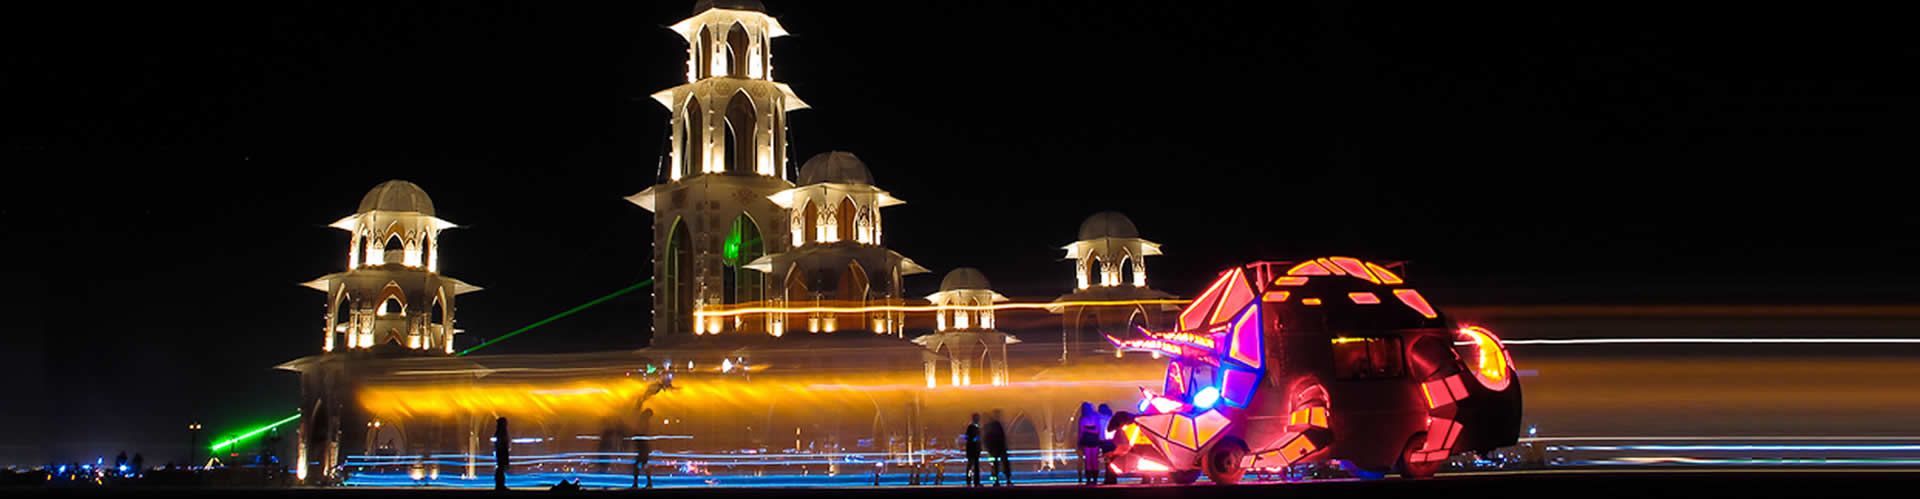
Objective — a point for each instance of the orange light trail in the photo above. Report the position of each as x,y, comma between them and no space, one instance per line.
927,308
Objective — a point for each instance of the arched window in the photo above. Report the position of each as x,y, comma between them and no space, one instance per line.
962,320
395,250
742,247
1093,270
693,138
702,62
853,285
343,316
843,219
811,214
737,51
392,306
679,285
740,121
438,314
1126,270
426,251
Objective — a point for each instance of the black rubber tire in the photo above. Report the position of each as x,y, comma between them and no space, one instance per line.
1186,477
1407,469
1222,463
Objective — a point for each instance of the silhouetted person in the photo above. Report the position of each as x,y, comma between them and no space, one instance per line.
643,449
973,451
139,463
1089,444
502,448
1107,445
995,435
120,462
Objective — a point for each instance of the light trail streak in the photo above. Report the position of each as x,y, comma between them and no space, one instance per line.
1829,438
927,308
256,431
1685,460
1739,448
558,316
1717,341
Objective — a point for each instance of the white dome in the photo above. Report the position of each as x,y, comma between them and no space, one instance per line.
839,167
397,195
1107,224
964,278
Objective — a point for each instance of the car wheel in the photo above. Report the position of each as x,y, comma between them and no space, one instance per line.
1409,469
1223,462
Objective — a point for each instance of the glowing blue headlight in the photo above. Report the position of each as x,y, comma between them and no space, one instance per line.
1206,398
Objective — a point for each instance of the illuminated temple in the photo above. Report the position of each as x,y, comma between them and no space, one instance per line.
783,340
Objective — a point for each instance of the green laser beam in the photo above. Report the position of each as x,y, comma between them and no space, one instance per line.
555,317
558,316
256,431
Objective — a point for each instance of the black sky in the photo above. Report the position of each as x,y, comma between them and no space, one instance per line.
170,167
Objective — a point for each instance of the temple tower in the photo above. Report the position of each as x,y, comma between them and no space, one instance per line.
1109,265
392,292
727,155
838,258
964,334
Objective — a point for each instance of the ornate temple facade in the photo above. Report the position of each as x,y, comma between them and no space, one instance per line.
781,322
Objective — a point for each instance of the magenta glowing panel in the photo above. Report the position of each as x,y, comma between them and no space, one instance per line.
1243,343
1237,386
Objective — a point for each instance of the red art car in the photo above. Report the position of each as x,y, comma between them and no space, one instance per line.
1285,363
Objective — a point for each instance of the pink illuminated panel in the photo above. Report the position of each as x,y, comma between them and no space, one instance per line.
1385,276
1244,342
1413,299
1307,268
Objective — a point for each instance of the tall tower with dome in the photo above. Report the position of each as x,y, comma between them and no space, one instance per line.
713,214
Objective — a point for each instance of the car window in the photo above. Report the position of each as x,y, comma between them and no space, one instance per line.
1368,358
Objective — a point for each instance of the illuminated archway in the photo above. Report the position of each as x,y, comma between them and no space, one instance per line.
703,61
692,137
811,216
679,273
739,133
843,219
737,53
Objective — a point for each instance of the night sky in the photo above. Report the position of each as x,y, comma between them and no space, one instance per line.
170,166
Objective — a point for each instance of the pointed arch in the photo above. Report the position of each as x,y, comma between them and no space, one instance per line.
693,139
796,285
739,133
854,284
811,224
743,245
738,52
703,61
1093,269
678,269
1126,268
427,250
342,317
843,218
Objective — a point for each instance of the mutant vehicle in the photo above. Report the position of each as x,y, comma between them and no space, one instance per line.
1331,361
